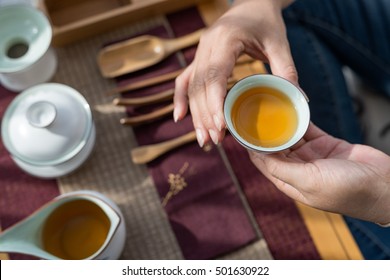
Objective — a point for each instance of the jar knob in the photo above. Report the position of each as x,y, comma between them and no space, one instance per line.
41,114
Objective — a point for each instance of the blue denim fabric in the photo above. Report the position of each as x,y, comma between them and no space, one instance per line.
324,36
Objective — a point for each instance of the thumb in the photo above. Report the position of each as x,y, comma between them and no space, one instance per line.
285,173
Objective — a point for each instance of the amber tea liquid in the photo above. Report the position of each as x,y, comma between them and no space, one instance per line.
264,117
75,230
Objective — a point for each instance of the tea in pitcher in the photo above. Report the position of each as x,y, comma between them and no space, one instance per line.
75,230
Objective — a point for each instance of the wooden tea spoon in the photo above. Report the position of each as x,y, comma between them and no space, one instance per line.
146,83
145,100
147,153
149,117
141,52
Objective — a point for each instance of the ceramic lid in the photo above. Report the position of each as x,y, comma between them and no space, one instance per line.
27,27
47,124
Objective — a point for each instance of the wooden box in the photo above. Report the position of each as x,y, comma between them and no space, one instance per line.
73,20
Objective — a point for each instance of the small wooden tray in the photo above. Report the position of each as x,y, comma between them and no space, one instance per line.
73,20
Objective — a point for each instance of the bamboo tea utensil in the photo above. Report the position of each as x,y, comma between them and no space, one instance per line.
141,52
149,117
145,100
147,153
147,82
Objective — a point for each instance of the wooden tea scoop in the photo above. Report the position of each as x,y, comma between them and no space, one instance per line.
145,100
147,153
149,117
147,82
141,52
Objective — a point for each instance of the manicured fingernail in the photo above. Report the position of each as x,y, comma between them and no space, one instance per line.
175,115
199,136
214,136
217,122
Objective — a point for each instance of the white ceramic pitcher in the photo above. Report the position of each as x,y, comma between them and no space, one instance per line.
27,236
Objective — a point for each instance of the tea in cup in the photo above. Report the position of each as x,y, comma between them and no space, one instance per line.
266,113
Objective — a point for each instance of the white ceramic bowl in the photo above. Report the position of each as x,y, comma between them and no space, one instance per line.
48,130
295,95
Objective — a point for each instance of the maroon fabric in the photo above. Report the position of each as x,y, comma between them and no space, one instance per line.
20,193
277,215
207,216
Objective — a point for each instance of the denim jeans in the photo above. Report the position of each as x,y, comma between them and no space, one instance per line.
325,36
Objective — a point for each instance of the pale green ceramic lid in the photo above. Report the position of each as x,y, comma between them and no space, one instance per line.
47,124
22,24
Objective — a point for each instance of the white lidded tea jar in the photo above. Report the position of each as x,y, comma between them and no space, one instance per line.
48,129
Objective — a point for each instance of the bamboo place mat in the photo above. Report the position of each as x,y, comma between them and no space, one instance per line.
110,171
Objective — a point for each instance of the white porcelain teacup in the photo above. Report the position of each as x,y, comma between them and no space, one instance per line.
266,113
77,225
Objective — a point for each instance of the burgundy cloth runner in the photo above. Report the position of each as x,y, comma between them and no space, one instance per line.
277,215
20,193
206,215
